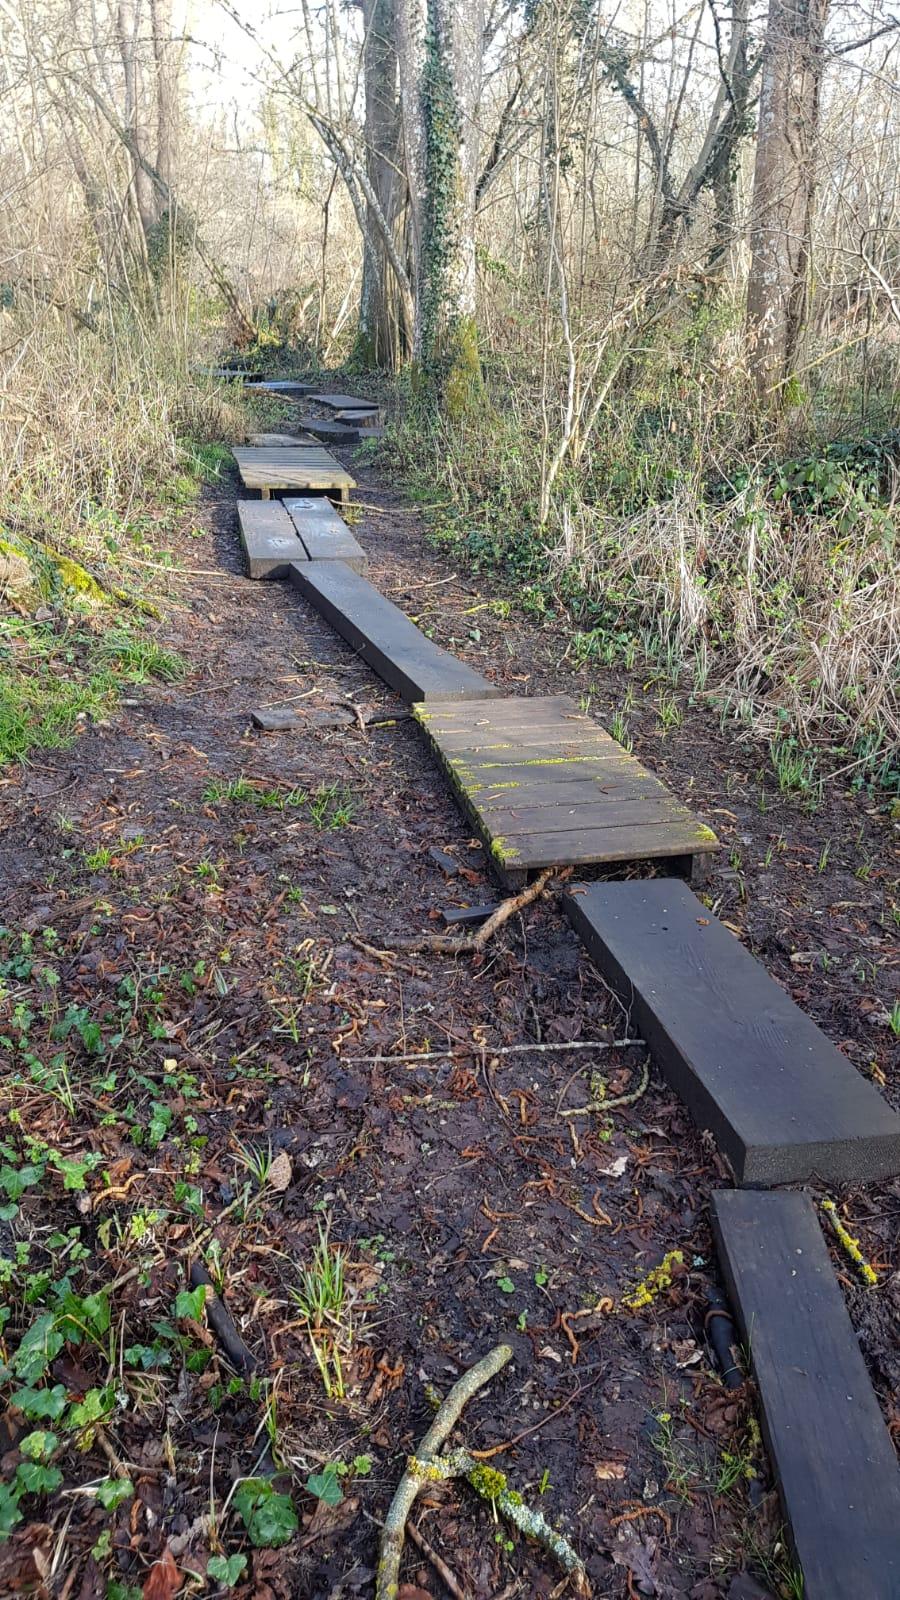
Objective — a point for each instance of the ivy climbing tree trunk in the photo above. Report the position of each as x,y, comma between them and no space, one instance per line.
385,336
783,189
440,53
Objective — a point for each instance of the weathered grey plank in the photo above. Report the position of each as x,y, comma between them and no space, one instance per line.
269,538
324,533
300,467
781,1102
327,429
384,636
278,441
344,402
833,1458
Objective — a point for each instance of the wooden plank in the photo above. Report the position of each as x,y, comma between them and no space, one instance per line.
344,402
384,636
546,786
833,1458
301,467
324,534
325,428
782,1103
269,538
285,386
278,441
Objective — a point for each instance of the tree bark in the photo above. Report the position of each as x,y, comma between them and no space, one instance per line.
784,189
439,48
127,20
384,331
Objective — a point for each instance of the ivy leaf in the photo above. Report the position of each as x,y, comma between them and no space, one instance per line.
226,1569
112,1491
40,1403
9,1510
269,1517
32,1477
37,1349
325,1486
95,1405
15,1180
190,1302
39,1445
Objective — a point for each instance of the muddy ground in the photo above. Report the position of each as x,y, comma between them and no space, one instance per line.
240,1079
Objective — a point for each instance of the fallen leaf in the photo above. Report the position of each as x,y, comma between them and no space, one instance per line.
409,1591
280,1172
606,1471
163,1579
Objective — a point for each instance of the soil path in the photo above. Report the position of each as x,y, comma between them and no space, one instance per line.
220,927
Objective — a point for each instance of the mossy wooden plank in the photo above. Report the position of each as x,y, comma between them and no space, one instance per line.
834,1462
782,1103
546,786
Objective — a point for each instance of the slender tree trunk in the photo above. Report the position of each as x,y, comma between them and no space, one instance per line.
127,20
783,188
384,332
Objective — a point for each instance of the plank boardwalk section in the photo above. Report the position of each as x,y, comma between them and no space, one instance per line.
269,539
384,636
299,467
781,1102
278,441
545,786
833,1457
344,402
324,533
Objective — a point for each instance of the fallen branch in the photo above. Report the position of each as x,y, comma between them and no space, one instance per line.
617,1100
220,1320
444,944
460,1052
428,1466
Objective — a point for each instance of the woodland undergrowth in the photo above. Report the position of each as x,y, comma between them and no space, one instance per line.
105,437
753,563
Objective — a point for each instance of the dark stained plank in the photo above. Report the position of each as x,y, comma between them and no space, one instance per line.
324,533
326,429
384,636
546,786
299,467
344,402
836,1467
269,538
781,1102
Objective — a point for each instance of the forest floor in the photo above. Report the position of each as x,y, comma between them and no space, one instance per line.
208,1057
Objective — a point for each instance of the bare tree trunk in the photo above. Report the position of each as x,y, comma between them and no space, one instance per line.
784,187
166,89
384,333
127,22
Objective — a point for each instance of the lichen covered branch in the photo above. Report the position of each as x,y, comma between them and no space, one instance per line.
427,1466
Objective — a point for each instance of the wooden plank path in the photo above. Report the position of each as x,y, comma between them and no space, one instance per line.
269,539
344,402
546,786
278,441
298,467
384,636
835,1464
781,1102
324,533
326,429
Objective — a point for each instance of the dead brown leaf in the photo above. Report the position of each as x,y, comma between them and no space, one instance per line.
163,1579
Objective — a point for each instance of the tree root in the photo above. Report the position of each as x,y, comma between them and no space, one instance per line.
428,1466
